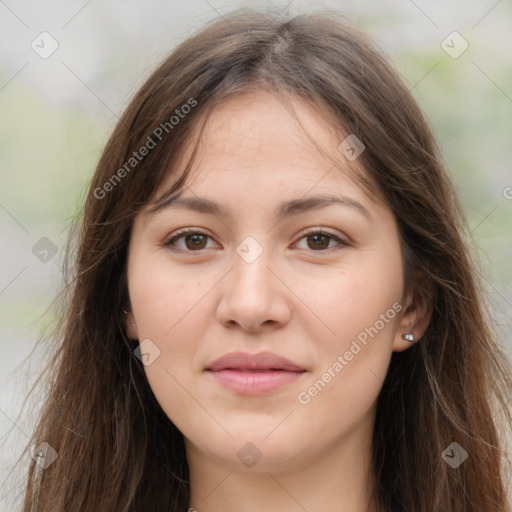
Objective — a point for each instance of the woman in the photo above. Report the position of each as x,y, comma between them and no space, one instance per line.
272,306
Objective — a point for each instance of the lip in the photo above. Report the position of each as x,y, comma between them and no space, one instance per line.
252,374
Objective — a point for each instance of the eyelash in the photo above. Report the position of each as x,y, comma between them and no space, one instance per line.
188,231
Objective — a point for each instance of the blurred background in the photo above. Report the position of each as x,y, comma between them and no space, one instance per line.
68,69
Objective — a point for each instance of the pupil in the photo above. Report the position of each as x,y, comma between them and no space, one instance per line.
195,239
316,237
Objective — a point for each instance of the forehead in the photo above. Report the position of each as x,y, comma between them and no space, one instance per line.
253,118
253,145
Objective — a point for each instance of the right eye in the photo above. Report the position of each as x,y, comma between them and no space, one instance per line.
193,241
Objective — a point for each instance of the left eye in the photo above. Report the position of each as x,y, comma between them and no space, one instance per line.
196,240
321,240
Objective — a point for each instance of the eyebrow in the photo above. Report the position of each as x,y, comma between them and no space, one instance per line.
284,209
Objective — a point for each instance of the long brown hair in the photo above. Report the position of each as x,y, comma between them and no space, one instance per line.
117,450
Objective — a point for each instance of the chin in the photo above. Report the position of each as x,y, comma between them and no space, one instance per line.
254,449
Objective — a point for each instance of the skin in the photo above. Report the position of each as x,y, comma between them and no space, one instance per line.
304,299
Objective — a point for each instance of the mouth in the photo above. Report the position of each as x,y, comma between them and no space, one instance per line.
253,374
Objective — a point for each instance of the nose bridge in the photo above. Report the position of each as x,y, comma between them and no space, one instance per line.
251,262
253,295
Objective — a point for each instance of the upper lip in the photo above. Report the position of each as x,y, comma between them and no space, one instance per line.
259,361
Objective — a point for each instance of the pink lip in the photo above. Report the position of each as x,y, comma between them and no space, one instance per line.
253,374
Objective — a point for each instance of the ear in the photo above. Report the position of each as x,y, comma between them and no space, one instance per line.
131,326
415,318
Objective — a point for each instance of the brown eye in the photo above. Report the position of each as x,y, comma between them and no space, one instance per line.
195,241
188,241
320,241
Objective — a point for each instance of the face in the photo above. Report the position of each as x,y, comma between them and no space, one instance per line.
305,296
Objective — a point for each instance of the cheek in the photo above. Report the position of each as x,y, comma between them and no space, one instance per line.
359,308
161,297
164,307
355,300
172,375
352,367
175,310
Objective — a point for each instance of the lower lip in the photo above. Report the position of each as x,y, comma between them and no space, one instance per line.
255,382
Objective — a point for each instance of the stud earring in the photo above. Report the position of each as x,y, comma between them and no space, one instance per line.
126,312
408,336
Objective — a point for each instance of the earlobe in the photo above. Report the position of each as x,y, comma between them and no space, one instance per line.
130,325
414,321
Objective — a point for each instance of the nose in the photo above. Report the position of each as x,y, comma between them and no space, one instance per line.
254,296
